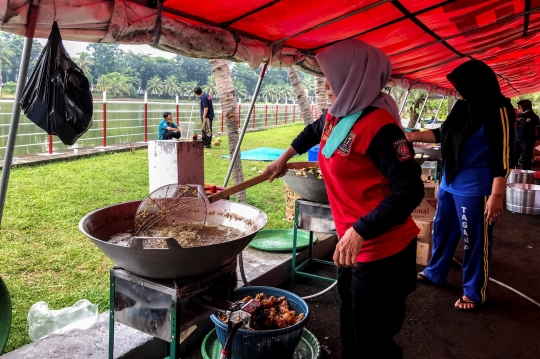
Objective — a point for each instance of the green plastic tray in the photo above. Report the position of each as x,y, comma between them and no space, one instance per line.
280,240
308,348
5,315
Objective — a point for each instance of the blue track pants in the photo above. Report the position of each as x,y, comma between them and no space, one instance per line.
455,217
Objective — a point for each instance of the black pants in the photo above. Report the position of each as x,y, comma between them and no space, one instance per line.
373,299
525,148
171,134
207,137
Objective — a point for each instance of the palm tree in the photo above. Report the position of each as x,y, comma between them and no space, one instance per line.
285,91
321,99
5,53
309,83
300,94
269,92
114,84
241,90
102,85
227,96
210,87
170,86
154,85
186,88
84,61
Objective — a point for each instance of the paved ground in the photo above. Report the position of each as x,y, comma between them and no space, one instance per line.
507,327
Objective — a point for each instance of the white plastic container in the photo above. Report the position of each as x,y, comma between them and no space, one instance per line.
186,130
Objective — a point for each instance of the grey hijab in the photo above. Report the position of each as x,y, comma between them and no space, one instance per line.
357,72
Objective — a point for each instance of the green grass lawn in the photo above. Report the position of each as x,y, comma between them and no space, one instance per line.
44,257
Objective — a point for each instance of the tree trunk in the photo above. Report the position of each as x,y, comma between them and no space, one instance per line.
1,80
227,96
320,95
450,104
301,95
415,109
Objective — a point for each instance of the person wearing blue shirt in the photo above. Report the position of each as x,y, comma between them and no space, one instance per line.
476,153
207,116
167,128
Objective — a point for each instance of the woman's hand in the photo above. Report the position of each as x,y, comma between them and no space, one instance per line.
278,168
420,136
494,208
348,248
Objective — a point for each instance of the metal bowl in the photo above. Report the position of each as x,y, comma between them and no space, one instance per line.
309,188
523,198
170,263
521,176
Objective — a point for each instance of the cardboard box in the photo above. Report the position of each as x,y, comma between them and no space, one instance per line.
431,190
426,210
426,228
423,253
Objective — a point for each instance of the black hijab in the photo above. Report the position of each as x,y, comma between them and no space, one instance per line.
478,85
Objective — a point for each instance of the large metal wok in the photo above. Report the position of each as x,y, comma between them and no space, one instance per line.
177,262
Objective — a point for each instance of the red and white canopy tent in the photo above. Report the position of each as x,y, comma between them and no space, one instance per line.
425,39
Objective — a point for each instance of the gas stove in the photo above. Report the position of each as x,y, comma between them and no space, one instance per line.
166,309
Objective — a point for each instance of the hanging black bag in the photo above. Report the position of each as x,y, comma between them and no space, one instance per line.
57,96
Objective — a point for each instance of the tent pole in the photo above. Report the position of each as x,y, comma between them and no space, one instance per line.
440,106
422,110
246,123
404,101
16,113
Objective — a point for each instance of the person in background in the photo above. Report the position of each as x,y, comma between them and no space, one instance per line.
476,153
527,123
207,116
373,185
167,129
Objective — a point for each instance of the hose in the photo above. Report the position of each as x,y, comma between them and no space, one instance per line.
226,350
505,286
320,293
242,274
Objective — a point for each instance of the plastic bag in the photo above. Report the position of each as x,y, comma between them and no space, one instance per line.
57,96
43,322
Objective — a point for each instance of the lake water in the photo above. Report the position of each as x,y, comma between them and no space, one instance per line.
125,123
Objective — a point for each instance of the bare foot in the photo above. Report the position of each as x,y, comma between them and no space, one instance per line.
464,303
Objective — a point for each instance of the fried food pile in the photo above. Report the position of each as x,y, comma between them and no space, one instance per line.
276,311
303,172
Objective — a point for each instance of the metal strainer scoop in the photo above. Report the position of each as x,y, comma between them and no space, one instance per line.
177,203
169,205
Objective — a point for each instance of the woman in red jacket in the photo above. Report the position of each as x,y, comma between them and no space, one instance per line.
373,185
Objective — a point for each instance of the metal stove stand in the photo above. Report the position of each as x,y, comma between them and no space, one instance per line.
163,308
312,217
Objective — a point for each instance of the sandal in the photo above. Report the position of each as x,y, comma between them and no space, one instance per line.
462,301
422,278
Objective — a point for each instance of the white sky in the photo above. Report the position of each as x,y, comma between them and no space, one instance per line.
74,47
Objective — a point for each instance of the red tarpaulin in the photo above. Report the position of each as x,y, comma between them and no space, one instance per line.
425,39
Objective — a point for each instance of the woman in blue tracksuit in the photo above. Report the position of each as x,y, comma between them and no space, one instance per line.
476,153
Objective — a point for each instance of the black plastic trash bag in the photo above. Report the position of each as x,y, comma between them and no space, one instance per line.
57,96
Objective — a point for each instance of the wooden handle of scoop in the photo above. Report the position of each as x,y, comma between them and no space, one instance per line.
254,181
239,187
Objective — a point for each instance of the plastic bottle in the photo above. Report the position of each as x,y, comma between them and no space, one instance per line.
43,322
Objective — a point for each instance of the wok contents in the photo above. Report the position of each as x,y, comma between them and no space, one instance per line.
303,172
186,234
276,310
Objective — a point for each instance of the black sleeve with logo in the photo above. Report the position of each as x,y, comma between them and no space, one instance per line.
310,136
393,155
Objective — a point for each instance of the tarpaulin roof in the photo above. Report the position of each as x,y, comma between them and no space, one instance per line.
425,39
